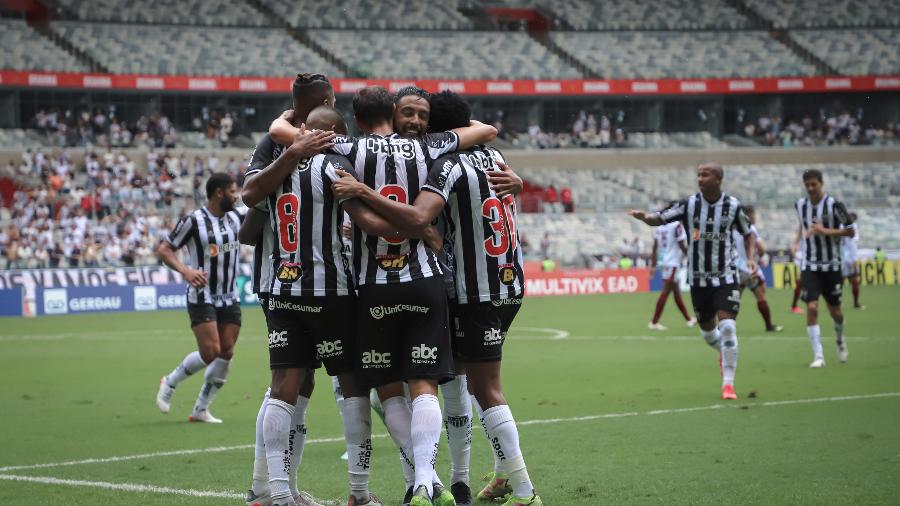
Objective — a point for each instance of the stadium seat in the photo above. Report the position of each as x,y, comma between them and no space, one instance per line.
169,49
25,49
182,12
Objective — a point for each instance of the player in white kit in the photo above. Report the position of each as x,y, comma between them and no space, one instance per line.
755,281
849,266
669,247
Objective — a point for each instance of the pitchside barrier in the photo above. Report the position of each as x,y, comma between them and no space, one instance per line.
871,272
38,292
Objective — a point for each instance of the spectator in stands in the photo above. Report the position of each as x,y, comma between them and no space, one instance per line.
565,196
551,199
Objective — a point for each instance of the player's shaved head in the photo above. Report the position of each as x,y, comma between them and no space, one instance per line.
308,92
713,167
326,118
448,111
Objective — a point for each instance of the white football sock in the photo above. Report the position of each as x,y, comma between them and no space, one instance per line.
487,433
297,440
276,429
426,433
711,337
260,467
358,438
214,378
839,333
398,419
505,442
458,422
814,332
729,342
191,364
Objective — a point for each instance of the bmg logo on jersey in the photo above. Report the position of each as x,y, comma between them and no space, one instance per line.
375,360
278,339
422,354
493,337
328,349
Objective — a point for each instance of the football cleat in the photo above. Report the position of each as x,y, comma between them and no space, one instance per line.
305,499
287,501
818,363
842,353
164,395
407,496
656,326
534,500
775,328
441,496
496,489
728,393
203,416
692,322
796,310
372,501
420,497
461,493
860,307
258,500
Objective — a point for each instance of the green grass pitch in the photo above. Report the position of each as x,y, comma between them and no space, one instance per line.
638,414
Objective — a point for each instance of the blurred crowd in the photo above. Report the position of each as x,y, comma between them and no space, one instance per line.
100,210
105,129
821,129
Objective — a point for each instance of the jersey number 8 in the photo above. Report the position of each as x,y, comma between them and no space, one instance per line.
396,193
288,208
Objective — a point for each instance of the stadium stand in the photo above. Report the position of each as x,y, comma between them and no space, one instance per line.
828,13
646,55
371,14
170,49
854,52
176,12
25,49
445,54
644,14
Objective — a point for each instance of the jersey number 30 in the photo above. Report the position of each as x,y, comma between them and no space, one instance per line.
501,218
288,207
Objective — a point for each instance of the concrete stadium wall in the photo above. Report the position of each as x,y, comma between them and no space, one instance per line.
597,159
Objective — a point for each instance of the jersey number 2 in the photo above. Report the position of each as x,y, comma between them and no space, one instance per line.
288,207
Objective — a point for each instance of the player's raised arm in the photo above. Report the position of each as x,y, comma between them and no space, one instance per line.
652,219
474,134
505,181
304,145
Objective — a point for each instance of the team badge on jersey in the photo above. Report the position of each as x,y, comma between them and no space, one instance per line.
507,274
213,250
393,263
289,272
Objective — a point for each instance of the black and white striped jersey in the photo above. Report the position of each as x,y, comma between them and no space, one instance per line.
486,251
261,275
214,249
265,152
711,257
821,253
305,219
396,167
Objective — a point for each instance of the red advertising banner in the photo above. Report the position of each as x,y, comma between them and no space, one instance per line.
545,87
587,282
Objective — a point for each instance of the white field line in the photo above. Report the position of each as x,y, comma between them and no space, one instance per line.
125,487
544,421
171,453
654,338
